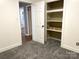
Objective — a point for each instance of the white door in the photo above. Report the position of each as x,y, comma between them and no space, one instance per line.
38,21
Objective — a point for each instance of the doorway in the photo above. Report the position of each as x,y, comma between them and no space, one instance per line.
25,21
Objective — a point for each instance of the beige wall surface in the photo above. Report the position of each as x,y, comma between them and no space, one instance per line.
10,33
10,30
70,33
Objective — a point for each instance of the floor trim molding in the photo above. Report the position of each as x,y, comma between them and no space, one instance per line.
9,47
69,48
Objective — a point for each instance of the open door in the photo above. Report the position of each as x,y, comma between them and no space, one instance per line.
38,21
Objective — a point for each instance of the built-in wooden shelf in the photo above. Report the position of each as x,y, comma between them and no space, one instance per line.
54,20
55,10
54,38
54,30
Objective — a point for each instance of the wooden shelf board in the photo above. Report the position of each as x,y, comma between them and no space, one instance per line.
54,30
54,38
56,10
54,20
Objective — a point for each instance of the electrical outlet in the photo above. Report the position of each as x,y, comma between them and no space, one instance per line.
77,43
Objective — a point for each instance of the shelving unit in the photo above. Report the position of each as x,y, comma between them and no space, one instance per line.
54,19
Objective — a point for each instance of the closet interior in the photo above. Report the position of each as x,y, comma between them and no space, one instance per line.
54,19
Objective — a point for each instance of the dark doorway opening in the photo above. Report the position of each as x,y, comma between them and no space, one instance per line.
25,21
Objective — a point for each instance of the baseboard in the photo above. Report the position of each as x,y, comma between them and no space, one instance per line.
10,47
70,48
39,42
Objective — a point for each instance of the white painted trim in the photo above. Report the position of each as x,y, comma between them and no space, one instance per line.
70,48
26,1
55,10
39,42
28,34
10,47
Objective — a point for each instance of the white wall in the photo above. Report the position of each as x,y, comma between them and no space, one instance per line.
71,25
10,33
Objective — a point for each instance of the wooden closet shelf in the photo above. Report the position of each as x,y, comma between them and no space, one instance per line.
54,30
54,20
56,10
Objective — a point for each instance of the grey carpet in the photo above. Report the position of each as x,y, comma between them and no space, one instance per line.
34,50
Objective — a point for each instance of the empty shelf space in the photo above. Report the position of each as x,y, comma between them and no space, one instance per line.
54,16
54,20
54,38
55,10
55,5
55,30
